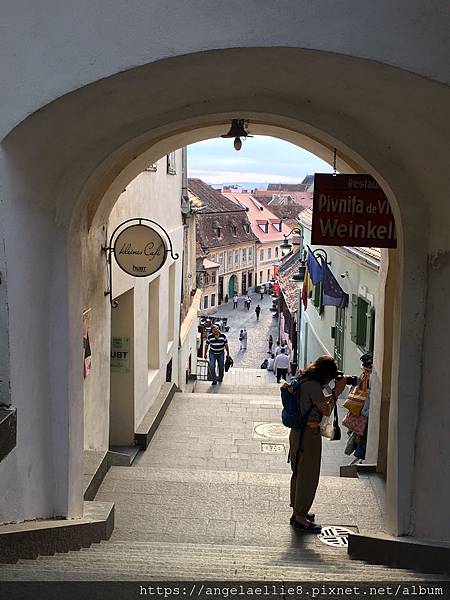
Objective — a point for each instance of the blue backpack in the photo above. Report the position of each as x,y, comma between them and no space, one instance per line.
290,415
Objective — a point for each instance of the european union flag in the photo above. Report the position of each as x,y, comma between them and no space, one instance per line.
332,293
314,268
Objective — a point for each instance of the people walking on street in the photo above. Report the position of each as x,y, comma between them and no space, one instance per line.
262,291
217,344
281,365
277,348
241,339
270,343
244,339
270,362
235,301
305,445
257,311
248,301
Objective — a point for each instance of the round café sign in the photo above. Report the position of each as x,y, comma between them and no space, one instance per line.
140,250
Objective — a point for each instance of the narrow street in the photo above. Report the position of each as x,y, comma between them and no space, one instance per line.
258,331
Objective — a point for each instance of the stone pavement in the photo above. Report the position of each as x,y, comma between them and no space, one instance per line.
209,500
258,331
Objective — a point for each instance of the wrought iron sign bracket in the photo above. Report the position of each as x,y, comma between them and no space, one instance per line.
108,249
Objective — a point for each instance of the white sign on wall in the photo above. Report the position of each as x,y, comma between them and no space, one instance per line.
120,354
140,250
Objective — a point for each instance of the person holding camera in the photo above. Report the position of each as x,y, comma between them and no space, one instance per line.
305,445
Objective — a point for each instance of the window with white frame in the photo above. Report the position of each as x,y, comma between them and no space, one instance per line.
244,255
236,257
171,166
213,299
205,302
269,253
230,259
261,254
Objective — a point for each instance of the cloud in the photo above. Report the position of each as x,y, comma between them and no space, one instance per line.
212,176
262,159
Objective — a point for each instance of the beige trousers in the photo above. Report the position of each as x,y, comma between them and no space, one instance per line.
305,464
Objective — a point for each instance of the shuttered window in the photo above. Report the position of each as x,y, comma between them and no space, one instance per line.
362,323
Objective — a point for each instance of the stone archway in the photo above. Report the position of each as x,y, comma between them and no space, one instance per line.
65,165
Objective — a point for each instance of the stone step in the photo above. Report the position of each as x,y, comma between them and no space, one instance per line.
250,399
142,561
267,389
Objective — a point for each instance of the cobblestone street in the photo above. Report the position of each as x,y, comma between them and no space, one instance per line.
258,331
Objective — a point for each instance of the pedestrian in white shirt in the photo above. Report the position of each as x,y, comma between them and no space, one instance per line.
281,365
270,362
277,348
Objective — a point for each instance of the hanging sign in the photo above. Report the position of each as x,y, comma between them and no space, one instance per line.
140,250
351,210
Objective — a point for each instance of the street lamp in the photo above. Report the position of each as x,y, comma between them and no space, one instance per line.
285,246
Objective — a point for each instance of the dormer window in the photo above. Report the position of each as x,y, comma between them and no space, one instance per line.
217,229
234,230
264,226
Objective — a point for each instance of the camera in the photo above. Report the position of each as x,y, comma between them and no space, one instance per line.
349,379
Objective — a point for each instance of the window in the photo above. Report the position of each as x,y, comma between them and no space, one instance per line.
269,253
276,252
362,323
268,274
213,277
247,227
261,255
219,233
277,226
171,167
230,259
236,257
264,226
244,255
250,254
205,302
234,230
213,299
260,278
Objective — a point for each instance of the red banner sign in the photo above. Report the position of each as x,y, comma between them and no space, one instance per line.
351,210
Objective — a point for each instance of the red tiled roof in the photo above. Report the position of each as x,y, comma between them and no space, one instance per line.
212,200
258,212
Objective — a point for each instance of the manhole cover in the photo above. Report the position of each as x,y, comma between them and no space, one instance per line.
335,536
271,448
270,430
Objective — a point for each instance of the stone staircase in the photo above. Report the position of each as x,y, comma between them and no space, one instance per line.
208,501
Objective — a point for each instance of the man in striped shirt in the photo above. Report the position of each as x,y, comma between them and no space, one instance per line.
217,344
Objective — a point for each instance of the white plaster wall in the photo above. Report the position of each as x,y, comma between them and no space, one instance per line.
50,50
153,195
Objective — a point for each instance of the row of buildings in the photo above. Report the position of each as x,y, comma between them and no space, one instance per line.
239,236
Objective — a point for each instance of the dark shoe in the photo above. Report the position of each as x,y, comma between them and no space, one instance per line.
213,382
220,380
309,516
310,528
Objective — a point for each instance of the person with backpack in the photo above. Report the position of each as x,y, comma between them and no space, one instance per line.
304,405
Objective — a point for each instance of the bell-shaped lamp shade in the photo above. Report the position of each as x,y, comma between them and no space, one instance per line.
285,245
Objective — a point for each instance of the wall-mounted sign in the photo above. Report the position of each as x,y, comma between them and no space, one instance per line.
140,250
120,354
351,210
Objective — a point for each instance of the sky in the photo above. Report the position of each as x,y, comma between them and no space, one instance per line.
262,159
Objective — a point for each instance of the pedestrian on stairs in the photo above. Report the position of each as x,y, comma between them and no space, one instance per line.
305,445
217,344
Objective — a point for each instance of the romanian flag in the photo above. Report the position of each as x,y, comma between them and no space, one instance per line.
306,289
